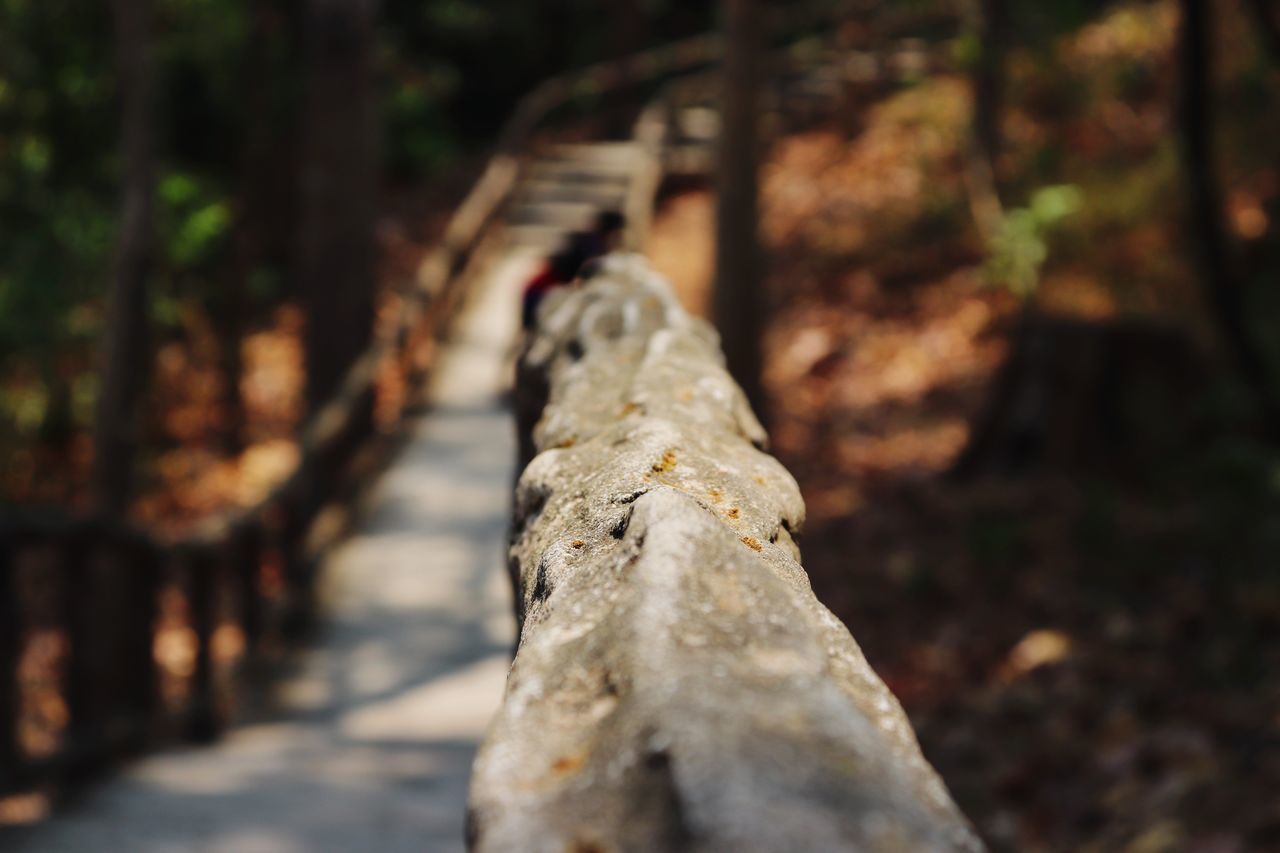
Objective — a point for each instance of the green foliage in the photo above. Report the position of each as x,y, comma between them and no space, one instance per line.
194,221
966,51
25,407
55,174
1020,246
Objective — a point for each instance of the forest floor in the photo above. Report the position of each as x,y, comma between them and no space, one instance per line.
1083,649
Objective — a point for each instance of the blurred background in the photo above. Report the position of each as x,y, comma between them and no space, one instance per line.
1013,279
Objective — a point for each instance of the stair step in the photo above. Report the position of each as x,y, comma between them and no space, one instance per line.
567,214
542,238
568,173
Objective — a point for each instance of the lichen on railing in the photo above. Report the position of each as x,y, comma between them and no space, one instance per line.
677,686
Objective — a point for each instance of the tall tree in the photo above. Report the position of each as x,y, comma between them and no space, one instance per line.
125,363
266,195
1223,286
738,301
335,264
992,29
988,22
1266,17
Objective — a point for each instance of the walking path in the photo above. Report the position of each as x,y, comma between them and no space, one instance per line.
371,743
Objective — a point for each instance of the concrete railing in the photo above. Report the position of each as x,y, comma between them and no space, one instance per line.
677,686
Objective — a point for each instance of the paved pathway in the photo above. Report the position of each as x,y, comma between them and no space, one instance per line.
371,745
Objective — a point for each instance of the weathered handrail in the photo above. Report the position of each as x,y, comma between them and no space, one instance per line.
677,686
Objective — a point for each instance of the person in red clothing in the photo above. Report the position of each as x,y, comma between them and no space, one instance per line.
559,270
580,249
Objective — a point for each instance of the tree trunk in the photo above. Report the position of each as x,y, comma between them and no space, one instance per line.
265,202
1075,395
993,27
1223,287
738,304
1267,21
632,28
125,365
989,23
335,265
229,318
11,637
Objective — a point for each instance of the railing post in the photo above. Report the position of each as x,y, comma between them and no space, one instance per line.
246,563
82,746
202,717
140,573
296,568
10,650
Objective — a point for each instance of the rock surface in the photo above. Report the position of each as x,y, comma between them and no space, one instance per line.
677,685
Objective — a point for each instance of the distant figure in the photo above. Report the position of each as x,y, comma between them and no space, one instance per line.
579,249
559,270
604,237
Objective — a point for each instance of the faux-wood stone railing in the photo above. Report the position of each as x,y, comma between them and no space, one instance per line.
677,685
